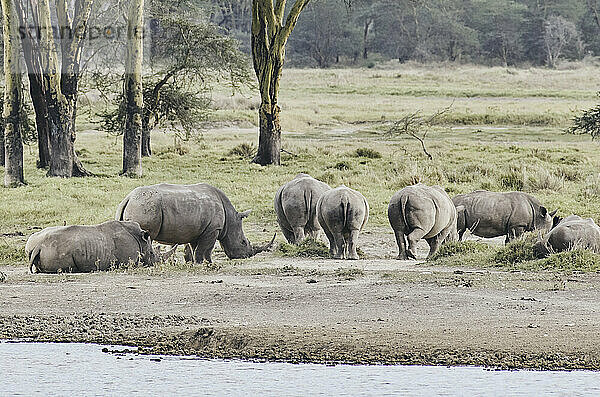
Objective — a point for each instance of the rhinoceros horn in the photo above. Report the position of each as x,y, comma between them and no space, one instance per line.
266,247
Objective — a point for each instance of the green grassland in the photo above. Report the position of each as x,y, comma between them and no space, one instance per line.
505,131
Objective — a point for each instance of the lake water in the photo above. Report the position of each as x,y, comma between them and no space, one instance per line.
51,369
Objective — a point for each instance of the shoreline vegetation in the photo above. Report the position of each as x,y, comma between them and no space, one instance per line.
477,303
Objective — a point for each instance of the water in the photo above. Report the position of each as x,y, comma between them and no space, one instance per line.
50,369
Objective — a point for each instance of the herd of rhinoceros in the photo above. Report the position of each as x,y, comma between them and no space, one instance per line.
199,215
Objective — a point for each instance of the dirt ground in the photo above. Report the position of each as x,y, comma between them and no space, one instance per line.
375,311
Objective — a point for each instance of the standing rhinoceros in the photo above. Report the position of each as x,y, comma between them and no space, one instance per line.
572,232
422,212
493,214
89,248
197,215
342,213
296,207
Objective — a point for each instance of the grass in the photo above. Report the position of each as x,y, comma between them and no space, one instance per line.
309,248
342,116
516,255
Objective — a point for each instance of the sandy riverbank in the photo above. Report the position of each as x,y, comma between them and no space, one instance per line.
303,310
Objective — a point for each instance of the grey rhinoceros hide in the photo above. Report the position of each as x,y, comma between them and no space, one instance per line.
492,214
343,213
296,208
197,215
422,212
572,232
89,248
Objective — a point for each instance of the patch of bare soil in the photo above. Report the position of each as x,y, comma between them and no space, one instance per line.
375,311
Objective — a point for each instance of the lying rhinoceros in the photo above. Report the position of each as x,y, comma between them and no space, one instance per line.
197,215
493,214
343,213
572,232
422,212
89,248
296,207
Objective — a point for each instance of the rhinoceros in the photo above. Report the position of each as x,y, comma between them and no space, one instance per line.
492,214
572,232
296,208
89,248
197,215
422,212
343,213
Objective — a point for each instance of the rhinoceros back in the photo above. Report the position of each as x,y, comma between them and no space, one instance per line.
174,214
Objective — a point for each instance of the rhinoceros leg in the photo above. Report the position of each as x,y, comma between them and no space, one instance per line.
331,241
413,238
205,246
340,246
298,234
514,233
188,254
352,241
289,236
436,242
401,241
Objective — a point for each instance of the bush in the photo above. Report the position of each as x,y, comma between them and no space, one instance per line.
587,123
542,179
342,166
459,248
243,150
512,180
577,259
309,248
368,153
517,251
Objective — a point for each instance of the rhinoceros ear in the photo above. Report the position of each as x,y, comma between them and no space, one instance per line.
543,212
245,214
553,213
145,235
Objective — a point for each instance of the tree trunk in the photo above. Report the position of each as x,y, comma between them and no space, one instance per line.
269,142
13,98
132,137
146,149
41,121
36,90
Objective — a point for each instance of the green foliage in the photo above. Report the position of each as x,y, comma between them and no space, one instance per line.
587,123
574,260
459,248
309,248
517,251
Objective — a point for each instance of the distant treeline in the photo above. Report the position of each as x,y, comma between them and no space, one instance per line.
501,32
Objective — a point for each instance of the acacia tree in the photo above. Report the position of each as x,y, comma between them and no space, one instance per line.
13,98
134,98
270,32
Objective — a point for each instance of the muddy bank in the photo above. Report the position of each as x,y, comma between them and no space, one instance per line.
378,311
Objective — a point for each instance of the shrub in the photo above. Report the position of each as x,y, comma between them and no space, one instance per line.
591,189
513,179
243,150
542,179
517,251
342,166
459,248
577,259
368,153
309,248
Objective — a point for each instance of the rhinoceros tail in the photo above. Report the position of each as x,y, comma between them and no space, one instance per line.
34,260
403,201
121,209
